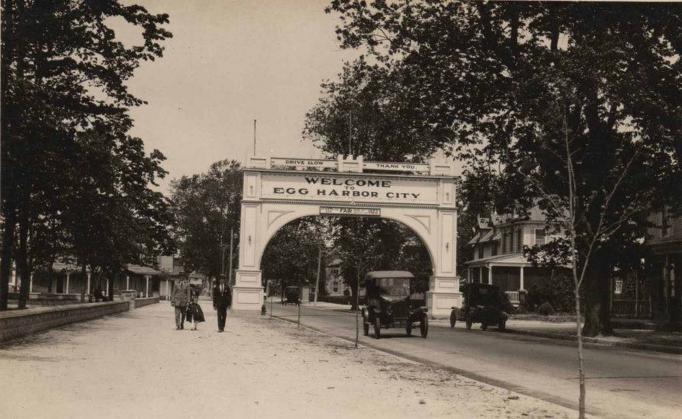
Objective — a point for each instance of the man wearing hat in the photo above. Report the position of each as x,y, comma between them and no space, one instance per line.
179,300
222,299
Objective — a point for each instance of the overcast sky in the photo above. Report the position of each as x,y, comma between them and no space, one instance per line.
228,63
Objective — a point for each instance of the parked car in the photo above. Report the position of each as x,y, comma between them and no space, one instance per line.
389,303
485,304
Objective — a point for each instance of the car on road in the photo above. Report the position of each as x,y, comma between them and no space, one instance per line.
485,304
390,303
292,295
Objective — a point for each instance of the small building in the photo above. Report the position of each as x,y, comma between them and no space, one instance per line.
146,281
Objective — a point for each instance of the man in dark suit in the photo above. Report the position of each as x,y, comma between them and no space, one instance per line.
222,300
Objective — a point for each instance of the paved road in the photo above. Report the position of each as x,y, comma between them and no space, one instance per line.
620,383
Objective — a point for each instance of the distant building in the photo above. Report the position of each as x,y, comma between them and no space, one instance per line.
335,284
172,267
664,268
498,252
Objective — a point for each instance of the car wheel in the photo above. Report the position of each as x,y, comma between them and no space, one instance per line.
377,327
468,322
484,325
408,329
365,327
453,318
502,326
424,326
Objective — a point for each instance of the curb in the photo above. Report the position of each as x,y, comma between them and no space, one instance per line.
599,343
594,343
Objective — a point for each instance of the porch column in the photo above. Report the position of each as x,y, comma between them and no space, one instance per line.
66,288
490,274
87,286
127,282
672,280
30,283
146,286
107,293
522,285
469,275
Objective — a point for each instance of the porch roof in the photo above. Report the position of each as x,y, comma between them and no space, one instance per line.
513,259
67,267
142,270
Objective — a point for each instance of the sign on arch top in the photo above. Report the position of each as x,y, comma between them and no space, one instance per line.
353,165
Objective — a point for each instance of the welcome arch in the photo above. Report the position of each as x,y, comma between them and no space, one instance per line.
279,190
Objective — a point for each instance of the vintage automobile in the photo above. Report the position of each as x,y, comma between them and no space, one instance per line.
292,295
484,304
390,303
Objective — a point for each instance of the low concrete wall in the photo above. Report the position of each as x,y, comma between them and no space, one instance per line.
141,302
17,323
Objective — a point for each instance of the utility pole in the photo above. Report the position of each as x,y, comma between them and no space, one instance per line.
317,281
350,133
300,292
222,253
357,306
231,250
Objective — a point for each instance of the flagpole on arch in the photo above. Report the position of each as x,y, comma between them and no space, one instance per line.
254,138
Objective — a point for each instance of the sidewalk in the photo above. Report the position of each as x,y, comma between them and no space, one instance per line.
137,365
641,339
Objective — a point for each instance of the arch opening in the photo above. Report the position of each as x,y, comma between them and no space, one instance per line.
345,248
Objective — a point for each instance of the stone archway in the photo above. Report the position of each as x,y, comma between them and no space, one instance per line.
277,191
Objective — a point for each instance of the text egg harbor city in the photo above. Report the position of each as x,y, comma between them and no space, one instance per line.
348,188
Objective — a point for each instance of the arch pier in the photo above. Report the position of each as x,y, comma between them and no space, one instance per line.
279,190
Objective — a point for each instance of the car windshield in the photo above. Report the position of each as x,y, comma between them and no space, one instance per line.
395,287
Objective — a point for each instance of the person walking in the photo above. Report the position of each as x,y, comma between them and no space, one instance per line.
222,300
195,310
179,300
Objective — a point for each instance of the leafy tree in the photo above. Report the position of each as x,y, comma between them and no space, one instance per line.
63,75
207,207
290,258
372,244
366,113
502,80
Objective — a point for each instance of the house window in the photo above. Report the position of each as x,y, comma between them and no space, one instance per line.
336,286
494,249
519,240
480,252
504,243
540,236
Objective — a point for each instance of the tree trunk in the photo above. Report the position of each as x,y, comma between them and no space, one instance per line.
22,258
7,250
84,279
353,295
597,315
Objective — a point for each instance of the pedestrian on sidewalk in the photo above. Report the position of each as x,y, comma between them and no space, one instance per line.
194,310
222,300
179,300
